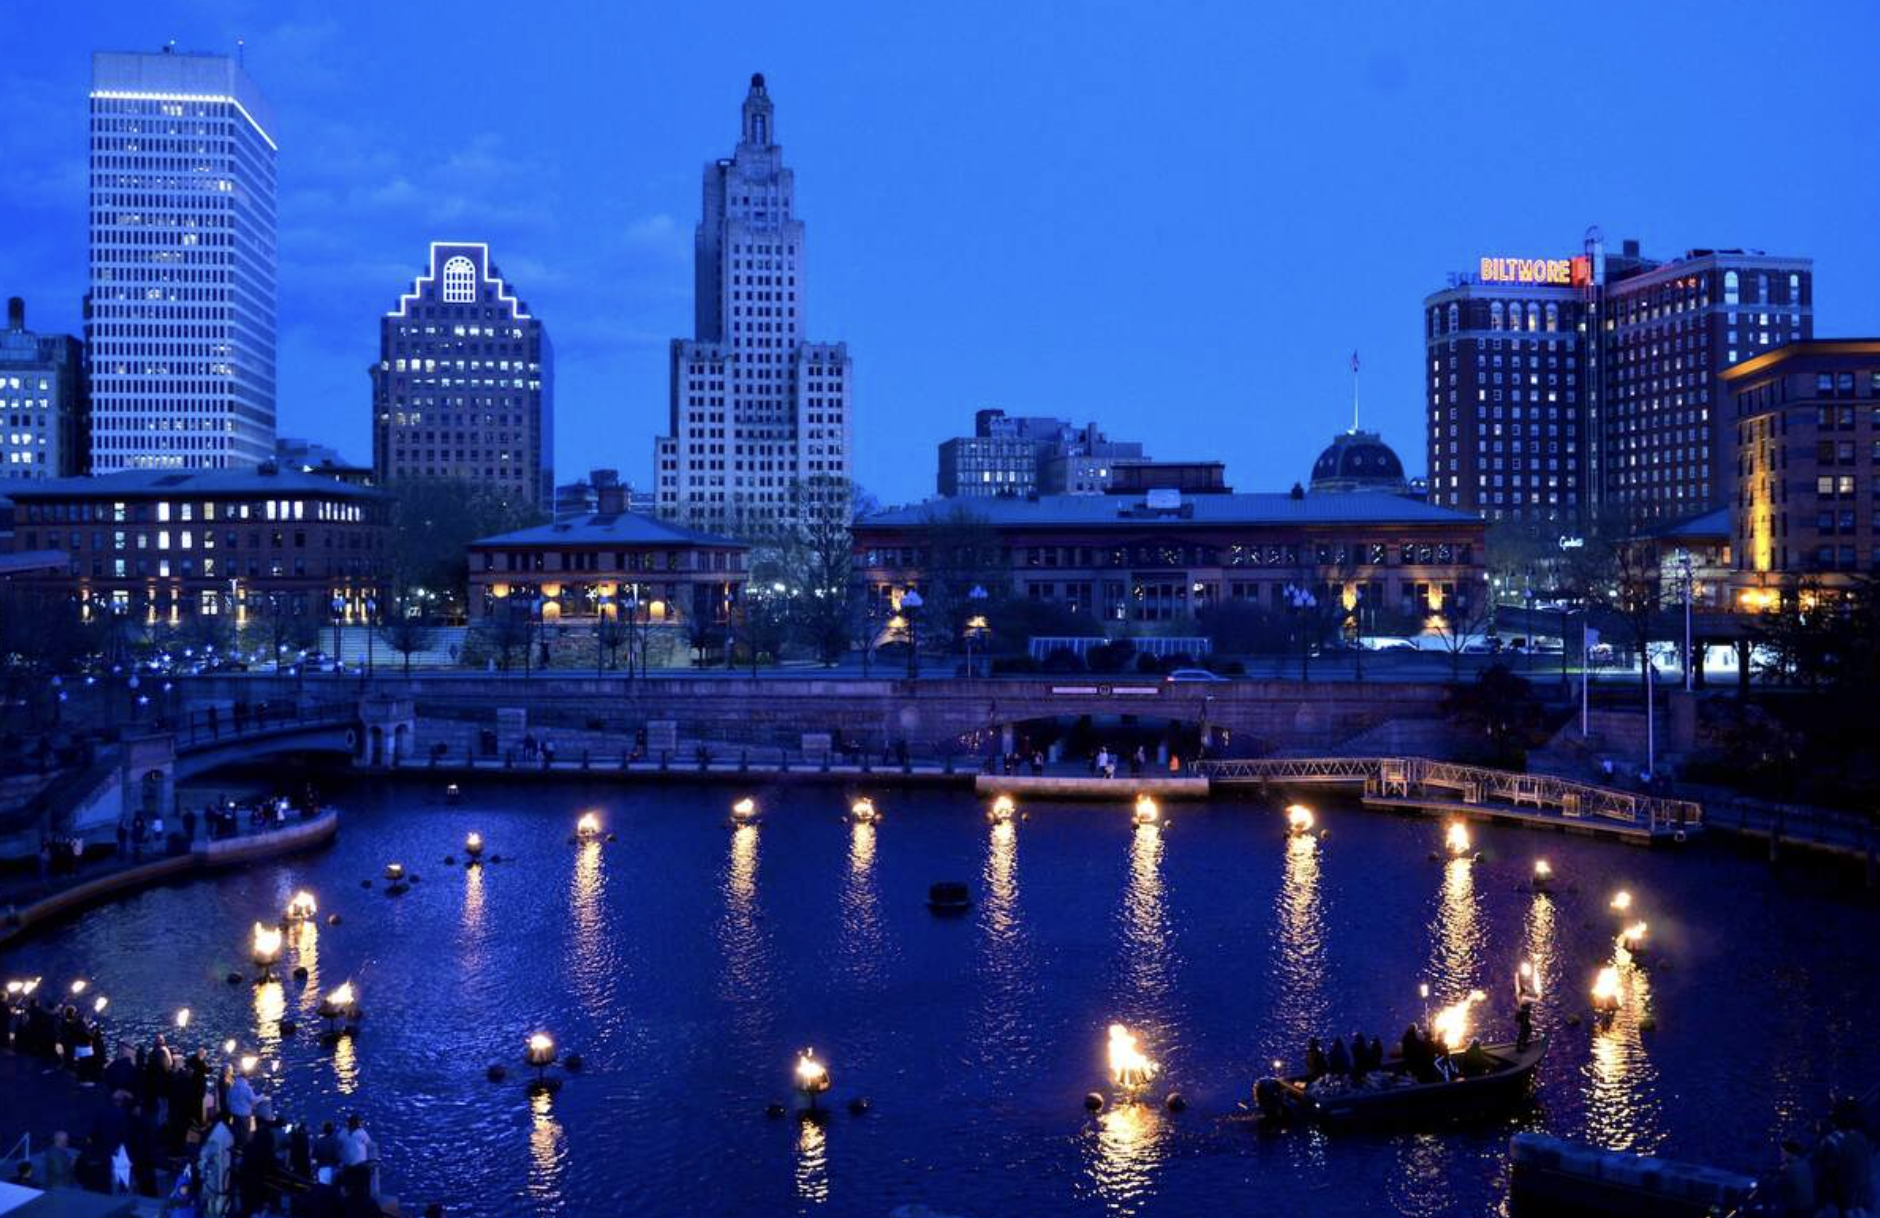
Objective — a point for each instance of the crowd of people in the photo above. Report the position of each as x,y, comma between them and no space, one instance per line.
1834,1178
168,1122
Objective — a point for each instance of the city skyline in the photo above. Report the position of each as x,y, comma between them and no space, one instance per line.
984,256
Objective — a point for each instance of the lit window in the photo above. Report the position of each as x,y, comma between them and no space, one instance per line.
460,281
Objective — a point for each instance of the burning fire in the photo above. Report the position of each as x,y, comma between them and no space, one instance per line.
303,905
1527,981
1622,901
1543,870
1146,811
1451,1024
744,809
228,1047
267,943
249,1062
1631,938
588,826
1003,809
863,810
811,1075
97,1007
1299,818
182,1018
341,997
541,1042
1130,1068
1606,989
1457,839
473,843
78,987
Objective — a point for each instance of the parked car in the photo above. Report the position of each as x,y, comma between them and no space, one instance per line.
1199,675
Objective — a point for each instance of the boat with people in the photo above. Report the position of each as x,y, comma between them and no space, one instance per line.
1393,1095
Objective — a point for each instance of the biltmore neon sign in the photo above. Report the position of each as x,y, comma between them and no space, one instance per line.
1557,272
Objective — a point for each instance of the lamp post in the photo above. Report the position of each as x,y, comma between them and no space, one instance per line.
339,613
1684,568
372,622
536,614
910,609
631,605
1302,600
974,624
601,610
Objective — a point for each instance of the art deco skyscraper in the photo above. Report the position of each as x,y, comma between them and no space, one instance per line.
181,315
759,438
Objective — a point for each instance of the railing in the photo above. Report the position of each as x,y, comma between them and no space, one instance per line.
205,728
1411,777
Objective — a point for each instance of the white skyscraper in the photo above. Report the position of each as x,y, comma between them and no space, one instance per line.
760,418
181,312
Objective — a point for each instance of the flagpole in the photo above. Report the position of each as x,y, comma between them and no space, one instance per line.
1354,393
1584,651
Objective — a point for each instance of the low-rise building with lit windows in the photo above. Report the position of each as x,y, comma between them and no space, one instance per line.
1806,508
44,406
611,563
164,545
1163,556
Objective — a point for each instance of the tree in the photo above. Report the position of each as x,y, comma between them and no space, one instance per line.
1499,710
1241,626
505,630
203,634
963,553
434,520
407,634
286,626
760,623
610,633
1459,623
827,594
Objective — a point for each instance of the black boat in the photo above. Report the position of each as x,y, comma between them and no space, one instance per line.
1391,1096
949,897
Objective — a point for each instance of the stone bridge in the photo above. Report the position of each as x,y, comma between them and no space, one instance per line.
930,716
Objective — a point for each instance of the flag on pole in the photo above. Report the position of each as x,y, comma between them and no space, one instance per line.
1354,361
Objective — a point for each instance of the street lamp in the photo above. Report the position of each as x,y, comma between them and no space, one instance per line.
910,609
601,610
974,624
535,615
1684,567
372,619
1302,599
631,606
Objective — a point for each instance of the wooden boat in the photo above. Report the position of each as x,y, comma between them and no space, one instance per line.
949,897
1403,1101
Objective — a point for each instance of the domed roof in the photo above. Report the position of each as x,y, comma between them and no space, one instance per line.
1358,461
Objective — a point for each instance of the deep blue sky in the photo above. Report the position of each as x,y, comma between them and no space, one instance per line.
1176,219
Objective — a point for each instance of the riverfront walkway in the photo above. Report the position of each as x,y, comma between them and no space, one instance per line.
27,902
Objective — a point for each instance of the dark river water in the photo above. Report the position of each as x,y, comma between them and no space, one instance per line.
690,962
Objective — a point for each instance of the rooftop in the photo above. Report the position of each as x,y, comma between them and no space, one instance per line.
1107,511
1800,349
185,483
1710,524
608,528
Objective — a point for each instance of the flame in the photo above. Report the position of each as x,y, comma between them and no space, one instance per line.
303,905
1542,869
1146,811
228,1046
97,1007
267,942
249,1062
14,987
1451,1024
473,841
1130,1068
1607,992
394,871
811,1075
343,996
182,1018
1632,935
589,825
1300,818
1621,901
29,986
1457,838
1527,983
744,809
78,987
541,1042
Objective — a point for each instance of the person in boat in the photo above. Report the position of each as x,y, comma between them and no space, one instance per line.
1524,1026
1338,1060
1419,1055
1377,1053
1316,1064
1360,1058
1475,1060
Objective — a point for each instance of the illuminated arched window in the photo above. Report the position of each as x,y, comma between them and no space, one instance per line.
1730,290
460,281
1534,316
1553,317
1455,317
1494,315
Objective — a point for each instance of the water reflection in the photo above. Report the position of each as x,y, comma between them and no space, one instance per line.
745,980
1456,934
304,940
345,1066
1299,952
548,1149
591,961
1622,1100
473,903
812,1162
863,941
270,1000
1147,952
1541,951
1004,1041
1126,1146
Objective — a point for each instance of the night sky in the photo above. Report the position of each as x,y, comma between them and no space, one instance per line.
1179,220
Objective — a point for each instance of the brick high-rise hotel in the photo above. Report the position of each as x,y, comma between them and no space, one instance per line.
1563,389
